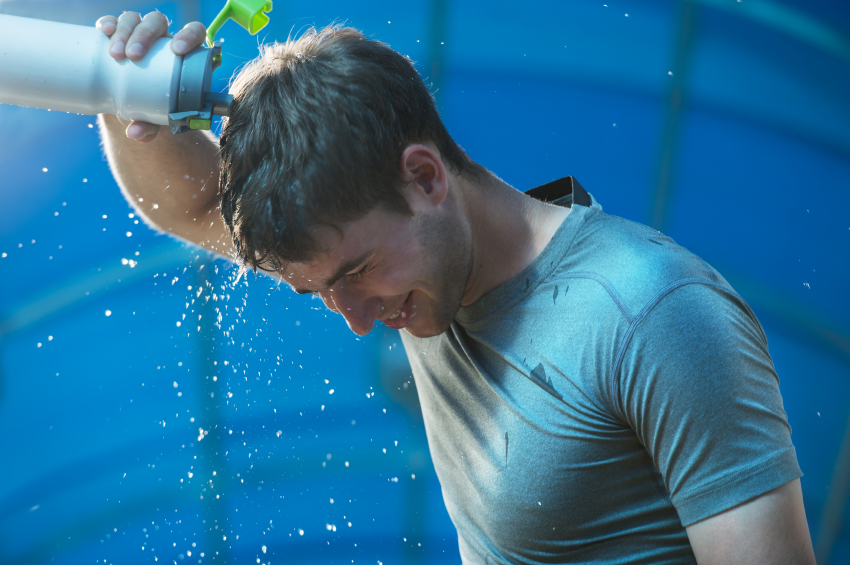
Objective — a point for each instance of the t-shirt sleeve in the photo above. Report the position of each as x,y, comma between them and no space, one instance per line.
697,385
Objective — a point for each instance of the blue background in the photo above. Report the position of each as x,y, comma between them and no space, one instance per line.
725,124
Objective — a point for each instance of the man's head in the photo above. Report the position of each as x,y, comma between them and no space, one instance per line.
315,142
409,271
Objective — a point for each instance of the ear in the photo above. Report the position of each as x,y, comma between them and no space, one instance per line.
425,175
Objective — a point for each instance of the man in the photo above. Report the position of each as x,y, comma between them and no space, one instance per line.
591,391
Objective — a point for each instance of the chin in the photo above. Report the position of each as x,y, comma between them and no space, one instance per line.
423,333
429,328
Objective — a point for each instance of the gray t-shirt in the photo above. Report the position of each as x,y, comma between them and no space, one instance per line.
615,391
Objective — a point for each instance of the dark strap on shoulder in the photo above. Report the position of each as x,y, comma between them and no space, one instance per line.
557,189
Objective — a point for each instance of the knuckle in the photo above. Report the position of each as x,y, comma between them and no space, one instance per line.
119,35
151,28
141,37
130,16
159,15
126,25
197,30
146,34
158,19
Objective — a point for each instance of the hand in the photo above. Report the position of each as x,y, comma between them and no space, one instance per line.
131,37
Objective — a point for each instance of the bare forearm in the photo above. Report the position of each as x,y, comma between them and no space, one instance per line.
172,181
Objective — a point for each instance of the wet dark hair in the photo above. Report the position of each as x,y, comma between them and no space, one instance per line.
315,136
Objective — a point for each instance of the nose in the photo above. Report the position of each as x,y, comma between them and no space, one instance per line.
359,310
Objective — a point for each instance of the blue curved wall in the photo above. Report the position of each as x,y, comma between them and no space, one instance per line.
138,427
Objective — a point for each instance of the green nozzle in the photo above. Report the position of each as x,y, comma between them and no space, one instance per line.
247,13
197,123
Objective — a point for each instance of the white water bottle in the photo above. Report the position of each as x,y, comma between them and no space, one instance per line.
67,68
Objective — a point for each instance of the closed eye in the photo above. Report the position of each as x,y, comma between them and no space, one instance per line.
362,271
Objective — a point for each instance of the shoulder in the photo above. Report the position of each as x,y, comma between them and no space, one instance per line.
696,319
695,380
638,264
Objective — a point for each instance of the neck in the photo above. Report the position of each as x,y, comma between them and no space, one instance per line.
509,230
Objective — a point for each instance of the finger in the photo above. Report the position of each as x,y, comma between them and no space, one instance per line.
126,23
153,26
142,132
192,35
107,25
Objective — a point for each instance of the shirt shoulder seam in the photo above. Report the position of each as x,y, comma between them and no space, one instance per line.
609,288
635,322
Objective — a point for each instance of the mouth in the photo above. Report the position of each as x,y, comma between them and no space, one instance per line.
401,317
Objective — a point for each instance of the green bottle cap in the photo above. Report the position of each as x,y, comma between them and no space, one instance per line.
247,13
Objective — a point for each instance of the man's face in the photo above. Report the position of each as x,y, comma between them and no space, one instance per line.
409,272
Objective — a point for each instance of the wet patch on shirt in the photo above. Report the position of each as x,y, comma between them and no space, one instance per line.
539,376
555,293
661,239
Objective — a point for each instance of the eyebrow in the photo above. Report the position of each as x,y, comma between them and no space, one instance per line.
344,269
